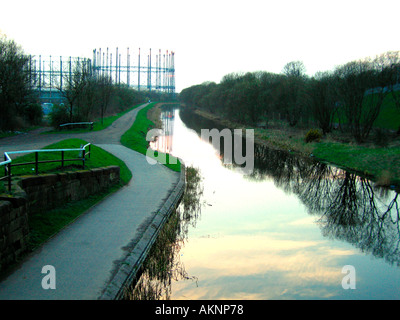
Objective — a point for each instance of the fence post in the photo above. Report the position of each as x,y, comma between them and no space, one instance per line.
9,177
36,162
62,159
83,151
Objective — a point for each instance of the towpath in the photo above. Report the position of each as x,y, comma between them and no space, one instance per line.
88,253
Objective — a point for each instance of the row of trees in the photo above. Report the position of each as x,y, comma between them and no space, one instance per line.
17,98
352,94
86,95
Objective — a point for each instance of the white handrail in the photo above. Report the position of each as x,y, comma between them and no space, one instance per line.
9,160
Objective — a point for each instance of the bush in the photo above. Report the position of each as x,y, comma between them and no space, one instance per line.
59,115
34,114
313,135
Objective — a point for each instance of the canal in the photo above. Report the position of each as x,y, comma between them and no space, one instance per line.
293,228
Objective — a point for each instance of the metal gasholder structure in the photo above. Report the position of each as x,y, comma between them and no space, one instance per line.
124,69
51,72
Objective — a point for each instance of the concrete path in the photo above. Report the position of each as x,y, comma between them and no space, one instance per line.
36,140
86,254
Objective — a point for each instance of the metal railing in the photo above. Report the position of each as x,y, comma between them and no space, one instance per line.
77,124
7,163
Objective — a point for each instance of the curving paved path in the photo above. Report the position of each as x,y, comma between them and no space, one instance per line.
36,140
87,253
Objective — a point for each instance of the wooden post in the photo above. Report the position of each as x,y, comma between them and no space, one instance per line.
62,159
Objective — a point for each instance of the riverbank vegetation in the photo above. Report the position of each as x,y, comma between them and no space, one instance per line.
85,96
18,104
355,107
136,137
163,263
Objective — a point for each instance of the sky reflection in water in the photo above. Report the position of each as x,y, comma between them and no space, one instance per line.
255,240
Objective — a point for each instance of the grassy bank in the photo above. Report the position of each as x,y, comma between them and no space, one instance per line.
98,158
135,137
97,124
380,164
44,225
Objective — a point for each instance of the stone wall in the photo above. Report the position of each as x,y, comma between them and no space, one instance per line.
34,194
49,191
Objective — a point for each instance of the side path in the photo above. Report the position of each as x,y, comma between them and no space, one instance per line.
88,253
35,140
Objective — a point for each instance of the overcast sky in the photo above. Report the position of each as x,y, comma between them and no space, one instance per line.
210,38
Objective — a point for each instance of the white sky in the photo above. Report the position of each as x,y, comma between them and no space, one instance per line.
210,38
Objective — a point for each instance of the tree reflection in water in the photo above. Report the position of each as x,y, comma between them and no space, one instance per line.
349,206
163,262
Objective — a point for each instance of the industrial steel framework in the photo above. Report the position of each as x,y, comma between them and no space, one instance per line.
50,72
159,76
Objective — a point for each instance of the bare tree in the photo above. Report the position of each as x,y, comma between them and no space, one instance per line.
105,88
361,89
16,83
74,84
390,64
293,91
322,100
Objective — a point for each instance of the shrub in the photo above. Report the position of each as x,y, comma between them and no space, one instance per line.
34,114
59,115
313,135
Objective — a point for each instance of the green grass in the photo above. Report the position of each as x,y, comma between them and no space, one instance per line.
46,224
135,137
98,158
379,163
97,125
389,117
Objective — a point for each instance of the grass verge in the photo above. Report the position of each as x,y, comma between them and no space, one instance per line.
98,158
97,125
135,137
44,225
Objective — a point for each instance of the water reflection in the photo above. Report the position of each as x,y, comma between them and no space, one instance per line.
163,263
286,230
350,207
163,143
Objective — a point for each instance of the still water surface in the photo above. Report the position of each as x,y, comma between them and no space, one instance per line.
284,232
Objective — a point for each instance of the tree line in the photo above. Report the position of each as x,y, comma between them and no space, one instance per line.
351,95
86,95
17,97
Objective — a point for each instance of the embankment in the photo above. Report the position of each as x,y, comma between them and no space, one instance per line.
130,267
37,194
379,164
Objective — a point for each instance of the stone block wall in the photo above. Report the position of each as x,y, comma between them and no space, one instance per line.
14,231
40,193
49,191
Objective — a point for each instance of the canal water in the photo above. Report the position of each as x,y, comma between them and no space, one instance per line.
292,229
